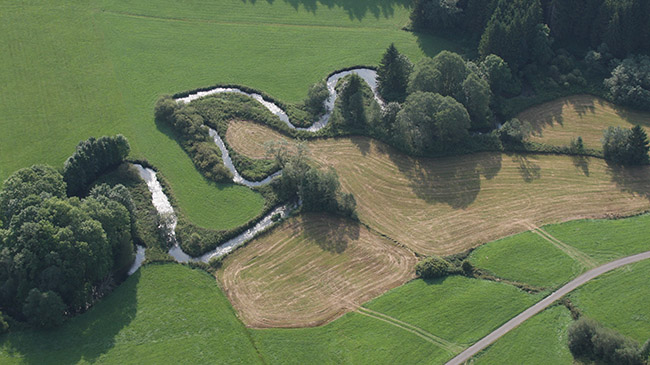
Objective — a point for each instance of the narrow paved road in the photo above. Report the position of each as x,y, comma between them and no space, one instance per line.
541,305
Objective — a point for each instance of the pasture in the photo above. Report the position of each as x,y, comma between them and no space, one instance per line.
447,205
619,300
527,258
77,69
558,121
454,308
311,270
162,314
540,340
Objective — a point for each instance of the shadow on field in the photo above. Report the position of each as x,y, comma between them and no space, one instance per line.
631,179
550,115
454,181
581,163
528,170
331,234
356,9
436,281
81,339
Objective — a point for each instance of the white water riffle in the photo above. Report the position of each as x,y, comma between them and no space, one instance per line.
165,209
139,259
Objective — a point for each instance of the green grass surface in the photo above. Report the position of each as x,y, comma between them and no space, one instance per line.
162,314
76,69
619,300
352,339
527,258
456,308
605,240
540,340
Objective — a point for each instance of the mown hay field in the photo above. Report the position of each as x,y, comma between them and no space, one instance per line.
448,205
75,69
559,121
311,270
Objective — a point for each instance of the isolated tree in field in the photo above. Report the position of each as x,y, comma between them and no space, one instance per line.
351,97
316,96
393,75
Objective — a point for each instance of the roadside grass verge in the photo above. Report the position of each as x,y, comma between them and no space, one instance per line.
558,121
540,340
458,309
619,300
526,258
161,314
310,270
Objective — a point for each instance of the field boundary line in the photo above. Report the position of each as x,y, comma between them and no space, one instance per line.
513,323
451,347
579,256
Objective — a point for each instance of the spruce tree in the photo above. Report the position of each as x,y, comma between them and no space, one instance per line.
637,147
393,75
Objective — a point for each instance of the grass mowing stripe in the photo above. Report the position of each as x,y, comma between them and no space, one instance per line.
572,252
451,347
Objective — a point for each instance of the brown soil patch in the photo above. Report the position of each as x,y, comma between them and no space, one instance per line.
311,270
250,138
559,121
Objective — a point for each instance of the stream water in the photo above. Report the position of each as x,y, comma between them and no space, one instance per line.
165,209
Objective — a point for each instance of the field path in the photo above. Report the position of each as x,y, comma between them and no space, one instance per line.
544,303
451,347
571,251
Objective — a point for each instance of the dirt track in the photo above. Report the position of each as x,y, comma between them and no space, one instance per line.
311,270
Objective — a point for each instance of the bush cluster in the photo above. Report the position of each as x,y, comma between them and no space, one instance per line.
588,339
626,146
434,267
193,136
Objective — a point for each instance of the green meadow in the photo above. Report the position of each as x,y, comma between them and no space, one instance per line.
75,69
162,314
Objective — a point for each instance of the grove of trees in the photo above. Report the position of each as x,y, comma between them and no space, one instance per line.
58,254
589,340
626,146
91,158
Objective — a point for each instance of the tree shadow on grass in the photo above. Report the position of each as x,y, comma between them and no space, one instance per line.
550,115
330,233
631,179
356,9
453,181
82,338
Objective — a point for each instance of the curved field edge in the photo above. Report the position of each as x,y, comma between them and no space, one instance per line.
310,270
75,70
448,205
161,314
540,257
558,121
